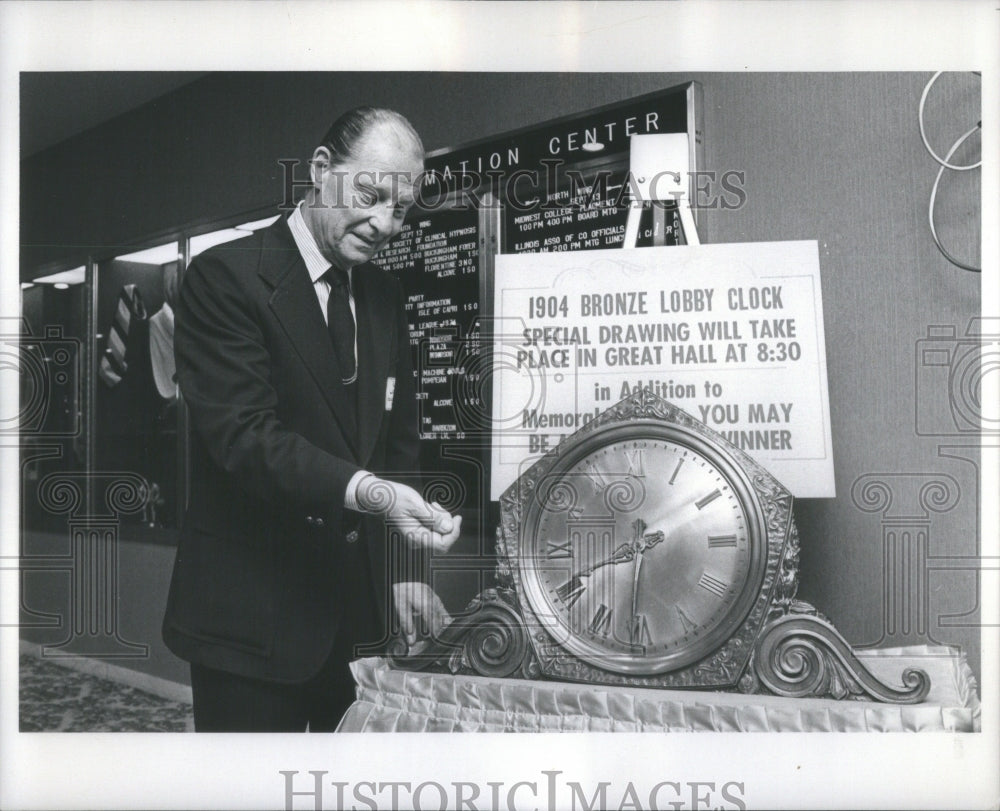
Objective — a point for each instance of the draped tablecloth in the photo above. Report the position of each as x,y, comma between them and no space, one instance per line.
391,700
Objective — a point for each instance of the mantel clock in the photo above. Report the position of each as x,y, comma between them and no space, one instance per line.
647,550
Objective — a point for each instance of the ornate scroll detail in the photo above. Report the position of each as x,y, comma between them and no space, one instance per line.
749,683
488,639
545,484
553,659
787,584
504,573
801,655
780,645
724,665
777,501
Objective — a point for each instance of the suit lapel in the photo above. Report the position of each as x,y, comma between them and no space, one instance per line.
294,304
376,328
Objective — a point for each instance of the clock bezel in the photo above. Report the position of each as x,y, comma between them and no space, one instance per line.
702,644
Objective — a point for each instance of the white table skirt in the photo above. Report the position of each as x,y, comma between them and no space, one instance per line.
391,700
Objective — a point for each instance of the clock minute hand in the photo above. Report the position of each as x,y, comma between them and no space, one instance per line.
641,545
635,584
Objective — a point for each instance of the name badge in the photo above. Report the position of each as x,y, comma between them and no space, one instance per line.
390,389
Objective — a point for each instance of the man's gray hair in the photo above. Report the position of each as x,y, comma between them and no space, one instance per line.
344,134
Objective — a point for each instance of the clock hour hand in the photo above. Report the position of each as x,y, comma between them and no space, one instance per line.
631,550
572,588
622,554
650,540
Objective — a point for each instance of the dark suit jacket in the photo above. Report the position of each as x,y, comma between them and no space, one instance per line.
257,580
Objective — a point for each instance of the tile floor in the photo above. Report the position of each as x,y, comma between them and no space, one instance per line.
58,699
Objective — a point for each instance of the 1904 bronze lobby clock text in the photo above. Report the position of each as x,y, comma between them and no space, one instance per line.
646,550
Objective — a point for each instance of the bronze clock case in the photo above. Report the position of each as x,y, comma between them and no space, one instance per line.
756,637
716,650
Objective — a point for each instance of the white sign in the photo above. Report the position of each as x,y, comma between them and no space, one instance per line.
732,334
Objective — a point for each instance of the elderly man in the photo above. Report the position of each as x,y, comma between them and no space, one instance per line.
293,356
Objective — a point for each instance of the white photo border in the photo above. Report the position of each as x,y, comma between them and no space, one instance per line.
52,770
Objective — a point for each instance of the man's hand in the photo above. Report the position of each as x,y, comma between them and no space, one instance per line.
422,524
420,611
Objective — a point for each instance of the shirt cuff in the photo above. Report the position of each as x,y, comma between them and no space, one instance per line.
351,494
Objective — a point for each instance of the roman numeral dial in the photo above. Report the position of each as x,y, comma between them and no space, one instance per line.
571,591
707,499
600,623
713,585
557,550
646,558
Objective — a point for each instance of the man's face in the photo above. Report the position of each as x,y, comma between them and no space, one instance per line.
360,204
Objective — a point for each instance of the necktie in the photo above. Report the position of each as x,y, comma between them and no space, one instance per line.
114,364
340,322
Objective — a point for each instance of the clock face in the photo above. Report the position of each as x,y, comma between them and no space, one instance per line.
642,549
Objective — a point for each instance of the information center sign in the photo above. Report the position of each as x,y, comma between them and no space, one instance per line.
561,186
515,164
731,333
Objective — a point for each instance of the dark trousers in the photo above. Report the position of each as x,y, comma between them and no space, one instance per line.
225,702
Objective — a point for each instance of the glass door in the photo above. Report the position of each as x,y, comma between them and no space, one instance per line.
136,402
51,355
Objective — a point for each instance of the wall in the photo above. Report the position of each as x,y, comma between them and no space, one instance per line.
831,157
